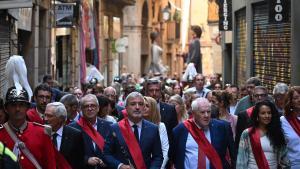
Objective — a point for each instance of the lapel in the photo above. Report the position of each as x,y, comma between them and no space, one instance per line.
212,132
143,130
64,140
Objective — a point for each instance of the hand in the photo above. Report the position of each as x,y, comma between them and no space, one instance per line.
93,161
123,166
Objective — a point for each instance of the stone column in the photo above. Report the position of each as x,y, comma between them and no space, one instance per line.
132,29
35,30
132,57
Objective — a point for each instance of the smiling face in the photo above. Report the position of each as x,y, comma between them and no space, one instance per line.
264,115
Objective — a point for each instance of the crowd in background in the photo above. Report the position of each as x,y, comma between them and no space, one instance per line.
263,126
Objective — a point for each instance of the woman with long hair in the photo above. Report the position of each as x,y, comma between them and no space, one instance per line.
263,145
181,111
152,114
291,125
221,99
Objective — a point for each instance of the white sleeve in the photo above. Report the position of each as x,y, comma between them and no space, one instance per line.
164,143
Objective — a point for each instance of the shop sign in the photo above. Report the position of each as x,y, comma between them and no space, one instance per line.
279,11
64,14
225,15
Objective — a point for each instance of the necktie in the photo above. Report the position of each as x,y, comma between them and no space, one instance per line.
54,139
136,132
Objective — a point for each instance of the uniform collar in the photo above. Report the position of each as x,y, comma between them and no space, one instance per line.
20,129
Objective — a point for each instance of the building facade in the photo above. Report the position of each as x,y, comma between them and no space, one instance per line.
261,47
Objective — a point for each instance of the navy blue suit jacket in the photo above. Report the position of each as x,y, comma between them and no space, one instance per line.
221,139
116,150
168,117
104,128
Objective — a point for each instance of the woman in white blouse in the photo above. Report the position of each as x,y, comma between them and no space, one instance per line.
291,125
262,146
152,114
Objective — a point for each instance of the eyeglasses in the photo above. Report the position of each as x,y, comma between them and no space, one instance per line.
260,95
92,106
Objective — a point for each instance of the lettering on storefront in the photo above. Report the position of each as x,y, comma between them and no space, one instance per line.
278,11
225,20
64,14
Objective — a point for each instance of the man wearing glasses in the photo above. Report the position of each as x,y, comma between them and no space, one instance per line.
95,131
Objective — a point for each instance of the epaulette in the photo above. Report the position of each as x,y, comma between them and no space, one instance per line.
47,128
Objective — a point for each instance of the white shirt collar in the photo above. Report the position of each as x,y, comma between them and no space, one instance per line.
139,124
60,131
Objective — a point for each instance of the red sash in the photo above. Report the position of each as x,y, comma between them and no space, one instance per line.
205,148
249,111
124,113
132,144
90,130
258,153
61,162
295,123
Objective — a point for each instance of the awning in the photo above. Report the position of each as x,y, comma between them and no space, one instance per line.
15,4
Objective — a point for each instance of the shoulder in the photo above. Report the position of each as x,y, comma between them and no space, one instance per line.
31,111
219,122
245,134
104,122
149,124
74,125
72,130
37,127
180,127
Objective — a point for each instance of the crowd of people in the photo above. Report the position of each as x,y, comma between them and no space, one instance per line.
152,123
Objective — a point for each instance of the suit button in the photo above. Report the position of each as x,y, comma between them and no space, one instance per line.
20,135
22,157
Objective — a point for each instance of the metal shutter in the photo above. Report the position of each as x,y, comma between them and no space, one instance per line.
271,48
240,46
4,50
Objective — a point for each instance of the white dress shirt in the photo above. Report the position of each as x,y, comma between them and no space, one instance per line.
95,127
293,143
59,133
191,152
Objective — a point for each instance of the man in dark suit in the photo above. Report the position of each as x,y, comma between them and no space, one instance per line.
167,111
95,131
202,141
67,140
134,142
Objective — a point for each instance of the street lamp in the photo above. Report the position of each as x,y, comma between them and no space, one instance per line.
166,13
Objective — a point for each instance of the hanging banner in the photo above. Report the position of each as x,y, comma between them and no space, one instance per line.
23,17
279,11
64,14
225,15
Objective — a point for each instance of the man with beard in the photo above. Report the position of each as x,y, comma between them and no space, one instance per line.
42,96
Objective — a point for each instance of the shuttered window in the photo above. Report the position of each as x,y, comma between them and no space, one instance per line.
271,48
240,46
4,50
